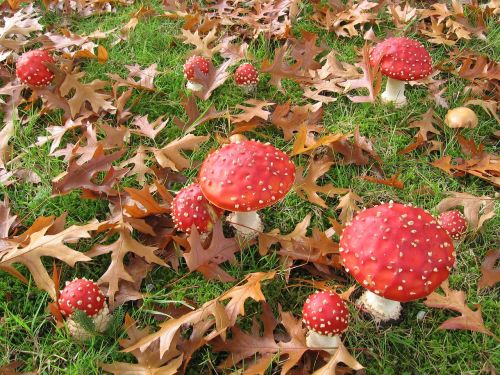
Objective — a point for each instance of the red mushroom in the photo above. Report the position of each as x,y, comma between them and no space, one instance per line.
246,176
192,64
31,68
84,295
399,253
190,207
326,316
454,223
401,60
246,77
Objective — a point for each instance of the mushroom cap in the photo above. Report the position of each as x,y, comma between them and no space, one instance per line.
461,117
190,207
31,70
325,313
454,223
397,251
195,61
81,294
246,75
403,59
246,176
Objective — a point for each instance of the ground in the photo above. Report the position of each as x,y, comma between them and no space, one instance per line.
411,346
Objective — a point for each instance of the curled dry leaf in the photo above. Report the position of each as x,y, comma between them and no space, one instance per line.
392,181
490,275
170,156
340,356
471,320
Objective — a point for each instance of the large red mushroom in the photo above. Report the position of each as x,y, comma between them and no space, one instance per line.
326,316
190,207
399,253
31,68
83,295
244,177
401,60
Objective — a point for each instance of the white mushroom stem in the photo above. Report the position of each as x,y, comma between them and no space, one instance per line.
380,308
394,92
248,224
101,321
193,86
327,343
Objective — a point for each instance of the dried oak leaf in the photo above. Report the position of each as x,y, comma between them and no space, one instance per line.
10,114
81,93
202,43
207,260
11,369
477,210
149,362
307,188
213,79
138,78
489,274
119,248
348,206
252,109
147,204
340,356
195,117
140,169
391,181
170,156
357,151
303,136
141,13
426,129
41,240
146,128
471,320
82,176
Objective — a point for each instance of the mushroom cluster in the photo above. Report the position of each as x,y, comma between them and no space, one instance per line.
399,253
31,68
401,60
84,295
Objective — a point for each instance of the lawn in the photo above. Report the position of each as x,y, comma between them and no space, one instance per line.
412,345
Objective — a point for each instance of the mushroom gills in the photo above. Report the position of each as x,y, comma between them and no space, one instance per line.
382,309
327,343
394,92
247,223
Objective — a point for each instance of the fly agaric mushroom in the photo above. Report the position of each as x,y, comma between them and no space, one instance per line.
190,207
461,117
31,69
246,176
83,295
399,253
192,64
246,77
454,223
326,316
401,60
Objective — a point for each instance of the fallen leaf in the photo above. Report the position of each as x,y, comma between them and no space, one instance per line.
170,155
489,274
348,206
392,181
341,355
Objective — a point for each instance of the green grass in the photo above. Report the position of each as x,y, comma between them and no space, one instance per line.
27,332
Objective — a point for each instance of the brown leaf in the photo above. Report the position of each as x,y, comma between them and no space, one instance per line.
17,30
489,274
340,356
10,369
303,136
207,260
213,79
170,155
148,129
357,151
252,108
307,188
138,78
195,117
392,181
455,300
148,205
348,206
202,43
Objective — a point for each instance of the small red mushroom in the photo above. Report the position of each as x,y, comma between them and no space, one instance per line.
246,176
192,64
401,60
326,316
31,68
84,295
454,223
246,77
399,253
190,207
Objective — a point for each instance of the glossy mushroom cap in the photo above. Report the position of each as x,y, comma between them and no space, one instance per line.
397,251
31,70
81,294
402,59
190,207
246,176
454,223
246,75
195,61
325,313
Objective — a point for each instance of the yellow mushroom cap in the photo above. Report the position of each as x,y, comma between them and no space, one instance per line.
461,117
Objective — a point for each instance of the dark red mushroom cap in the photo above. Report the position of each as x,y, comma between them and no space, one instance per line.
81,294
397,251
190,207
403,59
325,313
246,176
31,70
246,75
454,223
195,61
